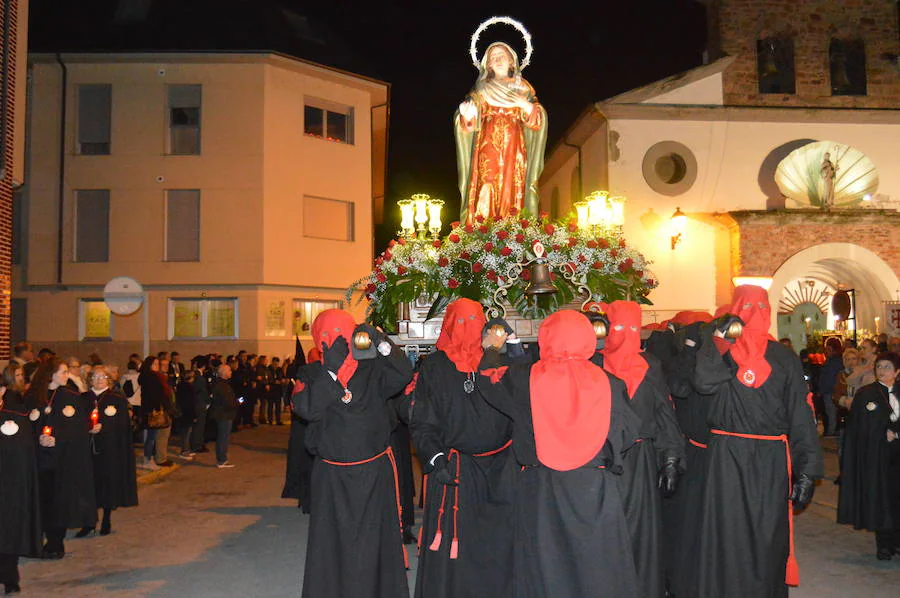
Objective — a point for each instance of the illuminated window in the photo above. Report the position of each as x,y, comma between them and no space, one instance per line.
184,119
328,120
192,318
305,312
94,320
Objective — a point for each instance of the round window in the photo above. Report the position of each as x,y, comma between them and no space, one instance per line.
670,168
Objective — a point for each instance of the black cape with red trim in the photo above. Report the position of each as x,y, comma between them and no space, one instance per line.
870,465
20,512
660,438
571,536
744,534
68,497
445,417
115,478
355,548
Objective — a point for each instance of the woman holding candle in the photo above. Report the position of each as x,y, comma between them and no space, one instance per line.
64,459
115,481
20,523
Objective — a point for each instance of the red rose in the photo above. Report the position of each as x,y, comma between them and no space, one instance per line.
626,265
370,288
469,228
388,255
454,224
402,241
597,266
520,238
613,253
479,218
622,243
640,273
552,276
591,244
491,275
392,243
573,241
379,260
651,282
489,246
572,266
603,243
581,258
526,275
555,248
454,238
545,215
452,283
502,235
443,262
401,270
514,212
572,227
477,267
464,255
436,244
524,223
505,251
548,228
380,277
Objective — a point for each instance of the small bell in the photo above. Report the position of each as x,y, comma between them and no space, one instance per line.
540,280
601,328
735,330
362,340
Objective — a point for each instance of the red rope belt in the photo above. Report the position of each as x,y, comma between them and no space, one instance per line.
697,444
390,455
792,570
438,535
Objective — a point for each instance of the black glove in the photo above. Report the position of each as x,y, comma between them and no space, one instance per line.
802,492
668,476
335,355
441,471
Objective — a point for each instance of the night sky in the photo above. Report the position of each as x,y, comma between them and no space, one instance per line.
583,52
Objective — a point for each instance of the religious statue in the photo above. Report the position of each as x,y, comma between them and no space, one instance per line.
501,132
828,171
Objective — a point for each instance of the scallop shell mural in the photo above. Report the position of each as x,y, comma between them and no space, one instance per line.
799,175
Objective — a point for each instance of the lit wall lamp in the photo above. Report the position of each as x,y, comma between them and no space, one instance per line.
759,281
678,222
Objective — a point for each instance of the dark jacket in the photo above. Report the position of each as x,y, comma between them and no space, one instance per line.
201,392
184,396
154,394
224,404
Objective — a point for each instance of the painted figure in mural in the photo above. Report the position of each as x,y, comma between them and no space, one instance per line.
828,171
500,131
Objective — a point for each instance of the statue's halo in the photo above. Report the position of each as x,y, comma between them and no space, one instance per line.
473,52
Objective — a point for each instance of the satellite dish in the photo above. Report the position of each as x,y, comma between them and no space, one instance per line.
123,295
840,305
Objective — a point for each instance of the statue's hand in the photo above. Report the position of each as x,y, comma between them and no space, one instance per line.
468,110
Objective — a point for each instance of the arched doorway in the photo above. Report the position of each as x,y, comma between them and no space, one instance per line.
840,266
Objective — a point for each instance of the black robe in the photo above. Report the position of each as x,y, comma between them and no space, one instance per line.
682,511
20,512
68,497
481,509
298,471
571,538
115,478
744,534
355,547
870,466
401,445
660,438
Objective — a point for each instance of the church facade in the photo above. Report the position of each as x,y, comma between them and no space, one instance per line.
708,144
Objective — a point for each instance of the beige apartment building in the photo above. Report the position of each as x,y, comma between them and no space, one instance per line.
237,188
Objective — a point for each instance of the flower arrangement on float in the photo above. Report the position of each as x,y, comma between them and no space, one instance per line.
483,261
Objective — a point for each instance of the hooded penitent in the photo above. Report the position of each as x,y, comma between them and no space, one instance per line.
461,334
328,326
751,305
622,354
570,396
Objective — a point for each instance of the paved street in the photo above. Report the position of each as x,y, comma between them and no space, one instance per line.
207,532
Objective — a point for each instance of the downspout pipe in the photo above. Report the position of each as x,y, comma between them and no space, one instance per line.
62,169
4,90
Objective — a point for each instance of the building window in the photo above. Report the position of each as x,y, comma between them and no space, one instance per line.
94,320
328,120
775,65
275,319
94,114
327,219
305,312
92,225
184,119
847,59
182,225
191,318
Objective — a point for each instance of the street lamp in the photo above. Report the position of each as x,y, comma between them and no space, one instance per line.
677,222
